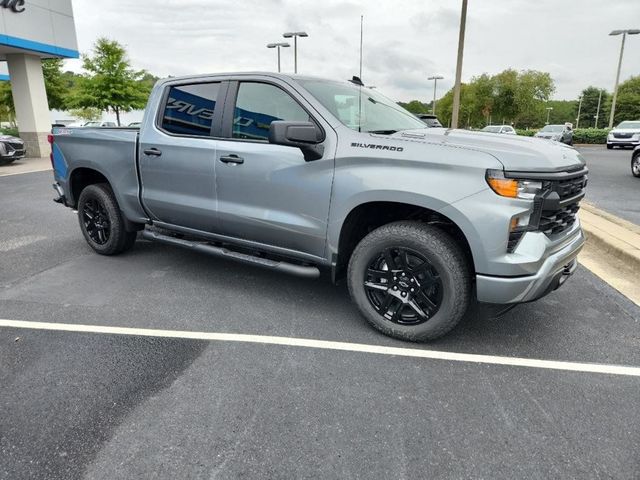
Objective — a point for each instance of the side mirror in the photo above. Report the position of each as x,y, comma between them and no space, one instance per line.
304,135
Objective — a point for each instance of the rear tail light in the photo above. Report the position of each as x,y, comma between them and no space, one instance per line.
50,139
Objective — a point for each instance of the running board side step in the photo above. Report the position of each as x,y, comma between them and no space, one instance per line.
279,266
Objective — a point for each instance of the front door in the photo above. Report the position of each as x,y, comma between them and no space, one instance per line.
177,157
271,195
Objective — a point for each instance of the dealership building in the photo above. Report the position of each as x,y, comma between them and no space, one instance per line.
31,30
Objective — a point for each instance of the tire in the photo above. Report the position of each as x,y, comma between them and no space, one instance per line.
6,161
609,147
635,166
432,266
101,221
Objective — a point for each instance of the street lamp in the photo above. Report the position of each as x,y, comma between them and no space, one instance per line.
548,112
435,79
295,36
278,45
624,34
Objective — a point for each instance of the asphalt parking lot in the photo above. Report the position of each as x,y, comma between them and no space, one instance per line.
611,185
99,405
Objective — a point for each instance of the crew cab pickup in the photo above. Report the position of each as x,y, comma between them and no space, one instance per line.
300,174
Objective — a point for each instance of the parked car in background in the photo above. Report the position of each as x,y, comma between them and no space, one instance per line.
627,134
559,133
508,129
11,149
635,162
430,120
100,124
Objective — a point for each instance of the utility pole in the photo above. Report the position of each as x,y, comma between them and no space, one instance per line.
548,112
615,89
598,109
456,88
579,108
435,79
361,34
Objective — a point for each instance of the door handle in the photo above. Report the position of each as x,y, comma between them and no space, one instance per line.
152,152
232,158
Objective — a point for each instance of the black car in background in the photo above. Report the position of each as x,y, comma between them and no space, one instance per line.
11,149
431,120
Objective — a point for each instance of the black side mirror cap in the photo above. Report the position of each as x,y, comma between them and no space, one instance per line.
304,135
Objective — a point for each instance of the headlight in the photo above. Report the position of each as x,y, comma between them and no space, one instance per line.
636,136
512,187
610,136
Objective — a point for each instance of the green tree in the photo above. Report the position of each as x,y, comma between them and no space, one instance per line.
7,110
416,106
628,101
589,108
55,85
110,83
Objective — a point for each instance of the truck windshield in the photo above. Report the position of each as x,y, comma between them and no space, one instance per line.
361,108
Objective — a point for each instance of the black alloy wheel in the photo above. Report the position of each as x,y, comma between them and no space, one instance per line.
96,221
403,286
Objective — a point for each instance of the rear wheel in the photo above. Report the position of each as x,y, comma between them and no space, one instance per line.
635,165
101,221
410,281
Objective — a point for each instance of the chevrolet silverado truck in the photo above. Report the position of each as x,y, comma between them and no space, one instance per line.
302,175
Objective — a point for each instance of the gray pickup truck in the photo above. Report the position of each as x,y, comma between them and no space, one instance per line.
300,174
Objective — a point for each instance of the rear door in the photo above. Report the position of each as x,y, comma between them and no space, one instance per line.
271,195
178,153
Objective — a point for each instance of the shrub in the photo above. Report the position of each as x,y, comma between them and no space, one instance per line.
526,133
590,135
9,131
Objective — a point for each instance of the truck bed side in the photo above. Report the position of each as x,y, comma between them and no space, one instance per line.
83,153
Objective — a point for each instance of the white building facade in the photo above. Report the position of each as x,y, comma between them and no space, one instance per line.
31,30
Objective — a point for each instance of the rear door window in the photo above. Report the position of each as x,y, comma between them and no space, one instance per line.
189,109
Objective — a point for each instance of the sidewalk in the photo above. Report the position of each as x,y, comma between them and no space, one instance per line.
612,251
26,165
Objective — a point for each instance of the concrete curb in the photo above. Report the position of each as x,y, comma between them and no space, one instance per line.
612,250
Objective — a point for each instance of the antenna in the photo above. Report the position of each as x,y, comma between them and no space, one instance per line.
361,24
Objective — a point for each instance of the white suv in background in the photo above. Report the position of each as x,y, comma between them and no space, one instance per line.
627,134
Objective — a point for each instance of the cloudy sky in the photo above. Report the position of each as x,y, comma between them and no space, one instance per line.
405,41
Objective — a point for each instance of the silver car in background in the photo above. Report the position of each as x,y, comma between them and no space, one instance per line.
559,133
508,129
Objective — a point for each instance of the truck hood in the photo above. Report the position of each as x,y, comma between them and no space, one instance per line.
516,153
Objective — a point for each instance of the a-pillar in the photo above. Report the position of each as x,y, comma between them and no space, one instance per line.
30,101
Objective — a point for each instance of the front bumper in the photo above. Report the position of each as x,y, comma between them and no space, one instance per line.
623,142
551,275
13,154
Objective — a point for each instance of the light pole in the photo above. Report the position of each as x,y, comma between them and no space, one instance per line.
295,36
548,112
615,89
435,79
579,108
598,109
456,88
278,45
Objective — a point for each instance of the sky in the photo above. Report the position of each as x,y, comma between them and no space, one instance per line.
405,41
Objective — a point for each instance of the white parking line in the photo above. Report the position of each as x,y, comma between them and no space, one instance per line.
329,345
23,173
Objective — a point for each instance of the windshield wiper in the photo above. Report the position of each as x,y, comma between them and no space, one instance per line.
383,132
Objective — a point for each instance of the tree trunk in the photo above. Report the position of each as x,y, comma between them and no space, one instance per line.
117,110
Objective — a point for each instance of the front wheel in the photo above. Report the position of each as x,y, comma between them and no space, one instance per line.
101,221
609,147
410,281
635,166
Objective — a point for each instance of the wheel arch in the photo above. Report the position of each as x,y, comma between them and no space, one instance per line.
368,216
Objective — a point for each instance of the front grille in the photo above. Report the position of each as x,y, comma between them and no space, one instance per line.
622,135
552,223
555,209
16,146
